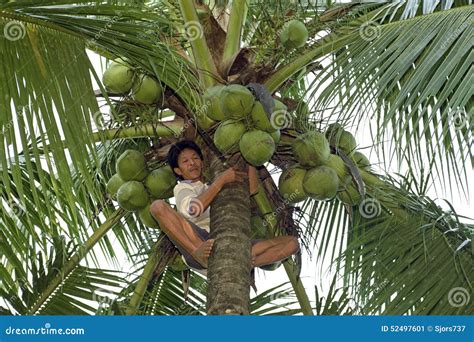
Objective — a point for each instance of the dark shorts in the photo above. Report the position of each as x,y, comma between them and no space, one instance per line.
190,261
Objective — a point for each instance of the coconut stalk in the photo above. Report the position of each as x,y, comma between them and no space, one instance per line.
145,278
234,31
76,259
195,32
266,209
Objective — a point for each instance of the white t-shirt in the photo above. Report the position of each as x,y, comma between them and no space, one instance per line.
184,192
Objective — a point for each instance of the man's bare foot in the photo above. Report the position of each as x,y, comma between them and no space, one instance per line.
202,253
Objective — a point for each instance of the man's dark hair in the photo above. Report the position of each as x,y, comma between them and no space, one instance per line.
176,149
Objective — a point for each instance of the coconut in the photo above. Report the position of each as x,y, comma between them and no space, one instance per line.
160,182
311,149
290,184
114,183
337,164
236,101
321,183
276,136
361,160
264,122
118,78
228,134
344,141
204,121
132,196
213,105
146,90
334,130
270,267
349,195
258,227
147,218
260,118
257,147
294,34
131,165
280,116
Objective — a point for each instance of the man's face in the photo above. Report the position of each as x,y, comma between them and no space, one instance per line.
189,165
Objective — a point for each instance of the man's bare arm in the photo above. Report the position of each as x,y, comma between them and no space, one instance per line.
202,202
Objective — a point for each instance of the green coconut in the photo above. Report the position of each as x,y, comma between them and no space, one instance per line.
290,184
269,123
132,196
350,195
271,267
276,136
146,90
311,149
344,141
321,183
160,182
294,34
236,101
361,160
337,164
147,218
213,104
131,165
118,78
204,121
258,227
260,118
114,183
334,130
228,134
257,147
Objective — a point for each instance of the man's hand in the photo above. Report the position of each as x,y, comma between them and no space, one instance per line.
232,175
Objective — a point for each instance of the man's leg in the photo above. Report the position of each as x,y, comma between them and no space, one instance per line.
273,250
180,231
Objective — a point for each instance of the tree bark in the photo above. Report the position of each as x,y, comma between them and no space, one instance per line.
230,262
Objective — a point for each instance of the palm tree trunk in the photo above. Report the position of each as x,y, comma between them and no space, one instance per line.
229,264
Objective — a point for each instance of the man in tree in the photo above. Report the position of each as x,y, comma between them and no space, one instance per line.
189,227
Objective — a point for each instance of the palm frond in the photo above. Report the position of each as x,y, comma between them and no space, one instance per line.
410,263
389,73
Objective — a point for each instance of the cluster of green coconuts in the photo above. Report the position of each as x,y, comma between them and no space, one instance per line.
244,124
135,187
121,78
319,174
